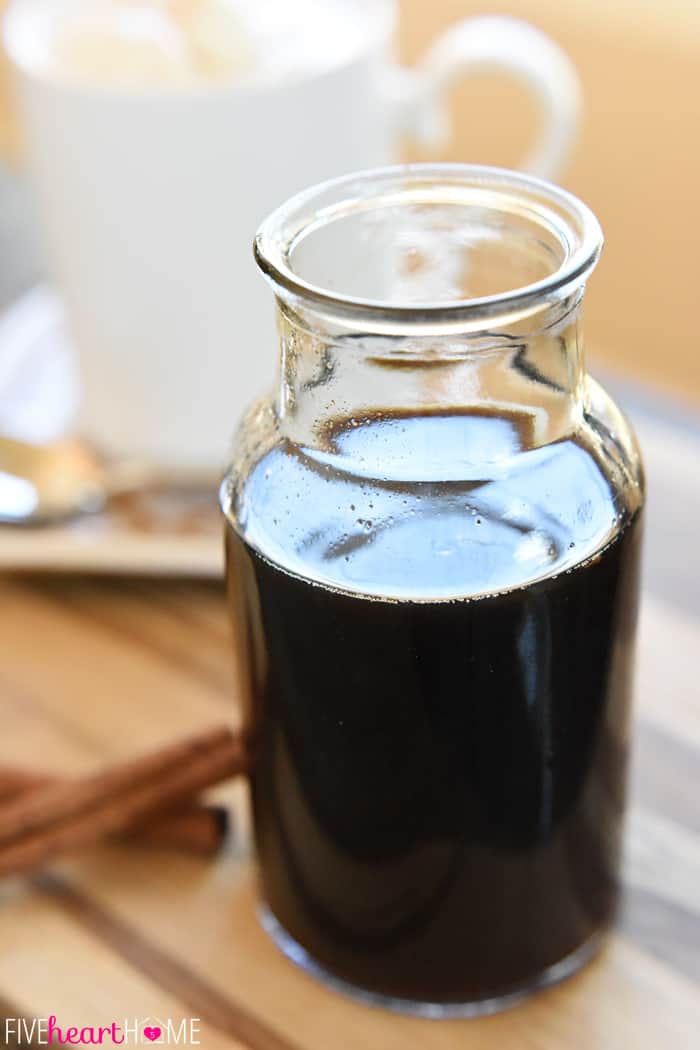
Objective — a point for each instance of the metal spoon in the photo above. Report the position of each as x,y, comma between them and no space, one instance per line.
43,484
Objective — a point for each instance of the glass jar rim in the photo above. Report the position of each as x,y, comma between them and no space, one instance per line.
573,224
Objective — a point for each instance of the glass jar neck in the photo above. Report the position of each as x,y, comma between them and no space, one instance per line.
429,290
336,378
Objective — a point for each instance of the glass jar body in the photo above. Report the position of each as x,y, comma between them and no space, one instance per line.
439,785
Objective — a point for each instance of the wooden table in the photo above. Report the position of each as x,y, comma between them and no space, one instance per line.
91,670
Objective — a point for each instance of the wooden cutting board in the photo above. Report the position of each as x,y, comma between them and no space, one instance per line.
92,670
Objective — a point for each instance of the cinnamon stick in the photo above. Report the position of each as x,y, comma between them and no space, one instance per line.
197,829
56,818
192,828
15,782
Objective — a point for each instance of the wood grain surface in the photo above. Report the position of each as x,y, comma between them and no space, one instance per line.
91,670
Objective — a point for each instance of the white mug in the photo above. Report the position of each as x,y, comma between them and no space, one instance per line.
150,199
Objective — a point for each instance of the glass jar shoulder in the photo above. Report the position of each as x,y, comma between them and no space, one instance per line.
435,526
613,442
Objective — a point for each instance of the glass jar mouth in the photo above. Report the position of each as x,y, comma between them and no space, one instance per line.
558,228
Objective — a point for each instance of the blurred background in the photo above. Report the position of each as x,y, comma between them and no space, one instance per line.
637,164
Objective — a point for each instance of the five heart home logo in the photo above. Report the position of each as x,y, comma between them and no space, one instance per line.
149,1031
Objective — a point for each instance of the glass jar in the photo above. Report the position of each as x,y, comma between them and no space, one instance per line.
433,534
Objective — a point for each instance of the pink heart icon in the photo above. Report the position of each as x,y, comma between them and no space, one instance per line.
152,1033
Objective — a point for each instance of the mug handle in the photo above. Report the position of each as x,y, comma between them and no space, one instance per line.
483,44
